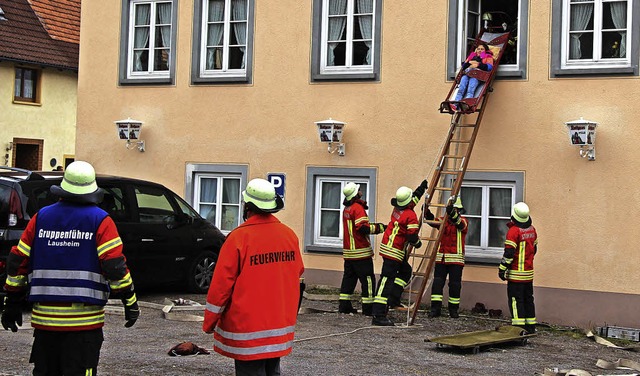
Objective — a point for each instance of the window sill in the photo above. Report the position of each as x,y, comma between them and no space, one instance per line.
594,71
27,103
146,81
323,249
344,77
220,80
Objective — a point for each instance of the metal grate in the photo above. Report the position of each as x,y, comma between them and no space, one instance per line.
620,333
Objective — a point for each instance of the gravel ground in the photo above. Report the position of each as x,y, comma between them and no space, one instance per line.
328,343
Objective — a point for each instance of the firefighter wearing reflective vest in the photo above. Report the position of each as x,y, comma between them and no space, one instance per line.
516,267
357,251
253,299
449,258
69,261
401,231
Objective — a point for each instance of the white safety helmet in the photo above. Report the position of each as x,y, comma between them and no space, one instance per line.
403,197
350,190
79,183
262,195
520,212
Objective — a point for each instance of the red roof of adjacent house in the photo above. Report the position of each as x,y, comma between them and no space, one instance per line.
43,32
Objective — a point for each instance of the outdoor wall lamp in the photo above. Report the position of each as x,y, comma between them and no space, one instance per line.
129,130
583,133
330,131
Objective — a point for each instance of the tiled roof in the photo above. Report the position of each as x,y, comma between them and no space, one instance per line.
43,32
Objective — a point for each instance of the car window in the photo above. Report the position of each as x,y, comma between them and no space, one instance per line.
40,197
185,208
115,204
154,205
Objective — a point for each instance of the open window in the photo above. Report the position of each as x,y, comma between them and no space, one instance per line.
469,16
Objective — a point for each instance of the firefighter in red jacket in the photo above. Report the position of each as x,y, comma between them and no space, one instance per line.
516,267
449,258
357,251
69,261
253,299
401,231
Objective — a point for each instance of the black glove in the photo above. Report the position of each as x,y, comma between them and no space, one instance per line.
450,209
428,215
131,310
419,191
502,274
382,227
424,184
12,314
417,244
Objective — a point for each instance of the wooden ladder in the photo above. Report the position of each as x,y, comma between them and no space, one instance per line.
445,182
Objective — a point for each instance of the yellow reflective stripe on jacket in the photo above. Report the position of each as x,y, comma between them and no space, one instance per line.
361,219
126,281
24,248
109,245
394,253
520,275
413,225
357,253
76,315
510,243
16,281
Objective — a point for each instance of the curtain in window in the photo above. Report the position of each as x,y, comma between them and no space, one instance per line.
230,195
336,26
29,77
208,193
619,16
366,23
141,36
214,31
239,13
330,219
580,17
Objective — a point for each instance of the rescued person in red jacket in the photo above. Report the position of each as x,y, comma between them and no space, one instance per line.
253,299
68,262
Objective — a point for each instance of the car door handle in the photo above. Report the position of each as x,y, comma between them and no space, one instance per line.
147,240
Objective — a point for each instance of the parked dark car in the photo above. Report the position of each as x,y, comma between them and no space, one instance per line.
165,240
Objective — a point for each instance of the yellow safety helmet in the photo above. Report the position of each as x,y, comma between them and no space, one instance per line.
520,212
79,183
458,203
262,194
350,190
403,197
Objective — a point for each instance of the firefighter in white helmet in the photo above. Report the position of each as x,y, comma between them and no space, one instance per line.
357,251
401,231
516,267
69,260
449,257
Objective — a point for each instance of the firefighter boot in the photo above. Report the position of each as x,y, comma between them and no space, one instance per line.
436,308
346,307
530,328
367,309
381,321
453,311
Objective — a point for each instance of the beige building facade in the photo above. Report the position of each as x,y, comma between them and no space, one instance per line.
229,90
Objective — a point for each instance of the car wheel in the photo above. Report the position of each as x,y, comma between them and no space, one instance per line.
201,272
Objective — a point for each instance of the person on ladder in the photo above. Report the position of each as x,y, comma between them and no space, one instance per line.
449,258
516,267
357,251
480,59
401,231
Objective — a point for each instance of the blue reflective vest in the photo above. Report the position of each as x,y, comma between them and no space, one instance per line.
64,257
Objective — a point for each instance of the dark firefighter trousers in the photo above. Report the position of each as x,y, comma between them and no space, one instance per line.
394,277
354,271
521,305
66,353
440,272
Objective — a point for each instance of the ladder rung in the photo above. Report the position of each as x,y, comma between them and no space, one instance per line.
431,222
436,205
454,156
429,239
465,125
419,274
450,171
418,255
443,188
461,141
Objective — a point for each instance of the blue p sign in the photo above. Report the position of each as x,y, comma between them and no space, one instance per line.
278,182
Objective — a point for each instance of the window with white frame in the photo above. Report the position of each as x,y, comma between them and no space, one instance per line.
223,31
217,199
346,39
595,36
148,41
328,210
323,205
470,16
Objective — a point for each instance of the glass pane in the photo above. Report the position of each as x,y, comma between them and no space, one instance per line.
142,14
360,54
473,5
230,215
214,58
472,200
163,13
614,15
363,6
231,191
337,28
472,26
337,7
208,190
611,42
215,35
362,27
216,10
161,62
581,17
208,212
473,235
331,193
363,189
330,223
236,57
336,54
500,202
18,83
581,45
238,10
163,36
141,37
497,232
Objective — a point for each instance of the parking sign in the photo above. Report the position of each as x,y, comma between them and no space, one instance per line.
277,179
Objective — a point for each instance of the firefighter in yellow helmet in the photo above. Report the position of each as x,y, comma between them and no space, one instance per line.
401,231
449,257
68,261
357,251
516,267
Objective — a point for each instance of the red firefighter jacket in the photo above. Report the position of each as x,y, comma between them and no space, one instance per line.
355,244
524,241
252,302
404,222
452,243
